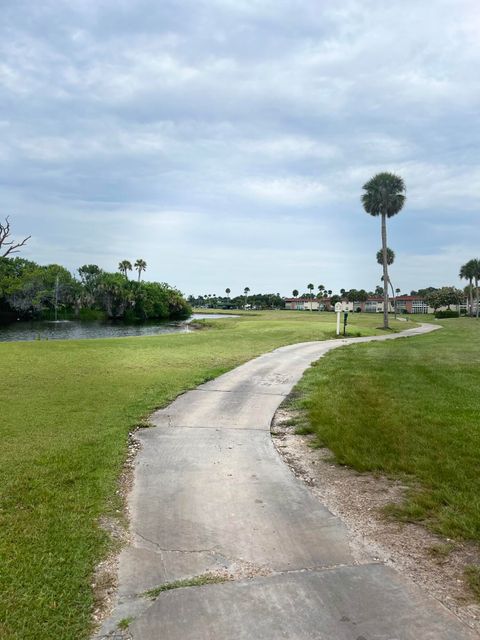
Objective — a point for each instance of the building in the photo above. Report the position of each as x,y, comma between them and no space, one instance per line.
373,304
308,304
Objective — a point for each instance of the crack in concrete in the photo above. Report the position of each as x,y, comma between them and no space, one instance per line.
217,428
159,548
248,392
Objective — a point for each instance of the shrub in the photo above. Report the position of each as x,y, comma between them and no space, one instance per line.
448,313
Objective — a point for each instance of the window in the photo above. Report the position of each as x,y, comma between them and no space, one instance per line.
419,306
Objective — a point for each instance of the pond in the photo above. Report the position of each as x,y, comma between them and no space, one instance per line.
77,330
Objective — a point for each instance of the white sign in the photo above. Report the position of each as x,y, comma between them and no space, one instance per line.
338,309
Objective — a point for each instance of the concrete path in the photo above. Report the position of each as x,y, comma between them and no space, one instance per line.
212,495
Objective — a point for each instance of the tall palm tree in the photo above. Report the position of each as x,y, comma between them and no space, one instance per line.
124,266
295,293
140,265
310,287
467,272
390,261
227,291
384,196
246,291
476,277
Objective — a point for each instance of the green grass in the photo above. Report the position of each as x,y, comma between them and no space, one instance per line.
67,408
197,581
472,575
410,409
125,622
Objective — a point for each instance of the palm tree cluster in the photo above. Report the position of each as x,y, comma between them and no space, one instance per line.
471,271
125,266
322,292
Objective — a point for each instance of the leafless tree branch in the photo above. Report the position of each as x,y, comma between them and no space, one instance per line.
6,245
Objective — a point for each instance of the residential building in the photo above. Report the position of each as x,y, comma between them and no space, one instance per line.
374,304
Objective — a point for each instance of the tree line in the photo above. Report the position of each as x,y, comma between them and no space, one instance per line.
32,291
256,300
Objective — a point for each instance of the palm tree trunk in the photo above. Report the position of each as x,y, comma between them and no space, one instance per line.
139,274
476,289
385,271
394,301
471,298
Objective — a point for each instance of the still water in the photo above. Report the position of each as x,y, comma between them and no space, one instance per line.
75,329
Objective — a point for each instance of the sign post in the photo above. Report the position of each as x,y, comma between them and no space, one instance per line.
338,311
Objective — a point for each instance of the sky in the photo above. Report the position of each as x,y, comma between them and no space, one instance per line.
226,142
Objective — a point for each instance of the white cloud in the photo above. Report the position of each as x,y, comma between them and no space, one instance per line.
292,191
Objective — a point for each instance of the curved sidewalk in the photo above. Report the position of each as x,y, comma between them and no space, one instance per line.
211,495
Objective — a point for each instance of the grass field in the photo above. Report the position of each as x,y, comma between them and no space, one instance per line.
66,410
410,409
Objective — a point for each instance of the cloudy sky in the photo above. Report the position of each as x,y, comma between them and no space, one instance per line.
226,141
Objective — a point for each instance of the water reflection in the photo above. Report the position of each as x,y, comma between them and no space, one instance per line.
77,330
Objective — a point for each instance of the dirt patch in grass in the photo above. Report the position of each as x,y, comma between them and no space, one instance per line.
105,577
440,566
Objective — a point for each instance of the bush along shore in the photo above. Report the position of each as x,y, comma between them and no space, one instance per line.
29,291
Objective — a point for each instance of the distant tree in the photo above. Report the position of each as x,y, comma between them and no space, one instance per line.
140,265
227,291
310,288
246,291
476,263
124,266
444,297
470,271
41,288
362,295
7,246
342,292
355,295
378,290
384,196
89,276
295,293
423,292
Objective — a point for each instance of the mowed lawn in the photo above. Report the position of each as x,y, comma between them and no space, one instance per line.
66,410
408,408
